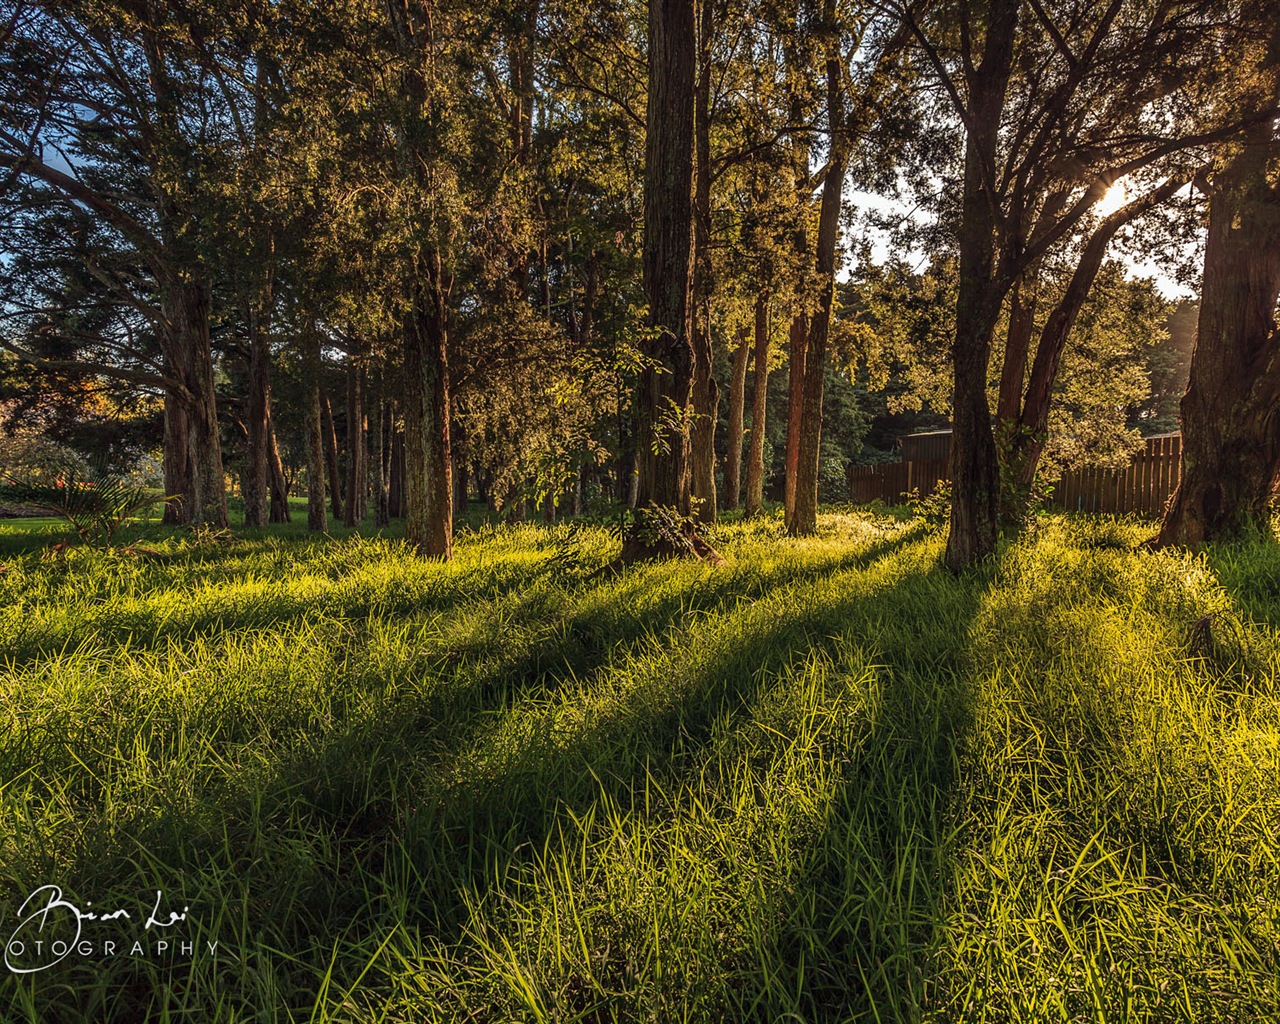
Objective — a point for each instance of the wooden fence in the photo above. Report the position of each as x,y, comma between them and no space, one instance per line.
1145,485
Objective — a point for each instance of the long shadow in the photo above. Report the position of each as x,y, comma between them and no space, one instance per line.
151,627
341,788
1250,572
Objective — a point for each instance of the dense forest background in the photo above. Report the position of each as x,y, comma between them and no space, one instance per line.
404,256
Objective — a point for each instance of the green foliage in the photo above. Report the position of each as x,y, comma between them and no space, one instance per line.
828,781
934,508
95,509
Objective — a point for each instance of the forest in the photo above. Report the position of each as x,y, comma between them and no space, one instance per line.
430,435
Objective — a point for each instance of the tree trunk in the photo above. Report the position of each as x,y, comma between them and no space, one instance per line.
317,517
1022,322
662,397
737,400
428,465
461,483
257,410
1231,411
355,444
705,394
396,469
193,442
275,476
798,338
759,406
378,455
975,485
804,513
331,458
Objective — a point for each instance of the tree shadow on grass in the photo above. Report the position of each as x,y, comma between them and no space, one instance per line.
326,844
1250,573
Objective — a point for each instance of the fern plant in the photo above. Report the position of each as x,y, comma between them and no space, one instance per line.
95,509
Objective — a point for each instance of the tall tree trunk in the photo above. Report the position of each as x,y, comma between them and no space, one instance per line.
737,400
975,485
662,398
317,518
461,483
759,406
396,469
1231,411
428,465
256,412
355,444
705,393
804,513
377,454
331,457
798,336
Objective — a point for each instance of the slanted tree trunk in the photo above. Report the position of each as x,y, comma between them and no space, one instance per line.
331,457
317,517
428,464
737,401
1017,345
975,485
275,477
1231,411
759,405
662,396
1027,441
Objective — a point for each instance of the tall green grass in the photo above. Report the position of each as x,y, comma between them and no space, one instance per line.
826,782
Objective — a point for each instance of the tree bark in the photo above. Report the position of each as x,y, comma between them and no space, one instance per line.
355,444
662,396
737,401
804,512
255,489
975,484
331,457
378,455
428,464
193,441
1231,411
279,512
705,394
759,406
317,517
396,469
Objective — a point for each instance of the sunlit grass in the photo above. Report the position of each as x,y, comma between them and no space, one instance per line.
828,781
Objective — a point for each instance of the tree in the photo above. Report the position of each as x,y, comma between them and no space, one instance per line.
1230,430
662,398
134,117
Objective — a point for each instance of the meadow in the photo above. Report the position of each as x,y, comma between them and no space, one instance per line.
827,781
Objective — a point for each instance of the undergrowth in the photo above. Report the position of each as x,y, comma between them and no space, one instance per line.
827,781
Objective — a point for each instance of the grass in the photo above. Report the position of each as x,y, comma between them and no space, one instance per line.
826,782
